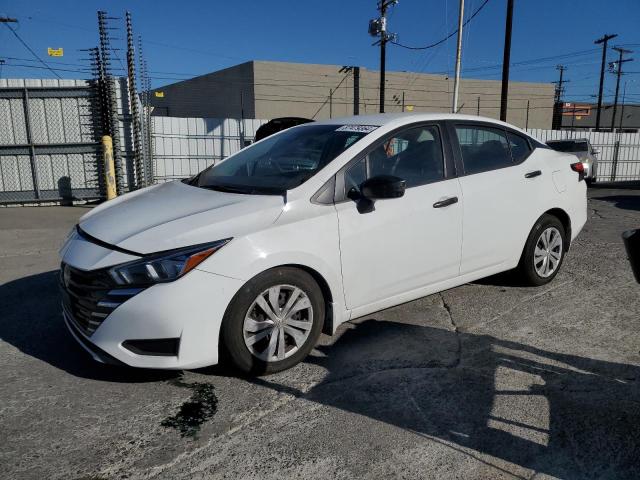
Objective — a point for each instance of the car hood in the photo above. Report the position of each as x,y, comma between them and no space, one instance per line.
174,215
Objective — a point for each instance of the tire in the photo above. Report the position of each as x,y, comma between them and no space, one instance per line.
531,269
246,318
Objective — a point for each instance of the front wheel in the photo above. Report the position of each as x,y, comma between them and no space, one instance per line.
274,321
544,251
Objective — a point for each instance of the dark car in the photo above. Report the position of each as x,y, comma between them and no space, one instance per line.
278,124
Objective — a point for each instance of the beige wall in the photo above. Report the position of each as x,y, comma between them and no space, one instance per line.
289,89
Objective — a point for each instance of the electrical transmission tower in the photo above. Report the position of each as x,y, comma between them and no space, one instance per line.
138,156
108,96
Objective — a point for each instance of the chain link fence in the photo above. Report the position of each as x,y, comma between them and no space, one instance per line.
49,149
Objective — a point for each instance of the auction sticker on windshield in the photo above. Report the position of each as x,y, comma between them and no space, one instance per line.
357,128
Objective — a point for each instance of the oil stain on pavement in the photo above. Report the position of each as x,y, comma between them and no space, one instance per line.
201,406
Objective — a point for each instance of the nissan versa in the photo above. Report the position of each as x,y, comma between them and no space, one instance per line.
311,227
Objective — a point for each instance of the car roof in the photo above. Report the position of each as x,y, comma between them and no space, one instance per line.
393,120
383,119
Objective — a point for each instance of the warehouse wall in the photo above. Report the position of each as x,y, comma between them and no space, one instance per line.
289,89
216,94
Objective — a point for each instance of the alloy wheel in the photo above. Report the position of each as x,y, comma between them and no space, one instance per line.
278,323
548,252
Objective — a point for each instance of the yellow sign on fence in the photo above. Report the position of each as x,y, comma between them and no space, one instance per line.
55,52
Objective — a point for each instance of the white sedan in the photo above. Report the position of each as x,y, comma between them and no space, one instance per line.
312,227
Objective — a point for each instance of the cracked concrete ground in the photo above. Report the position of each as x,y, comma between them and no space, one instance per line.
488,380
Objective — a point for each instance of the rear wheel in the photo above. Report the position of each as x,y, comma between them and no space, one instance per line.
274,321
544,251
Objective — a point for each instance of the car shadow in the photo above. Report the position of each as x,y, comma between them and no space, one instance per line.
504,279
469,392
563,415
32,322
625,202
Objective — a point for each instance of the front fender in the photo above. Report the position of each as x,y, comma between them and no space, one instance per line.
312,243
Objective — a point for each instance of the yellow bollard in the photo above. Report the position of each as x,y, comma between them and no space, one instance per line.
109,167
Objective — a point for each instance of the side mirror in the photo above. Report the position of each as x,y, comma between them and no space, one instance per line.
632,243
383,186
595,152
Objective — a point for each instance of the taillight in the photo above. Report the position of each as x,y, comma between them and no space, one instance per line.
578,167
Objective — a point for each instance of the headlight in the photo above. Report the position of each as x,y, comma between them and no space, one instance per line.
164,267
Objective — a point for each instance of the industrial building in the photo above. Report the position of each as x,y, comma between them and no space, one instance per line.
265,90
582,116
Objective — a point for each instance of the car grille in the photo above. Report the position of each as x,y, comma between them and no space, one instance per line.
88,297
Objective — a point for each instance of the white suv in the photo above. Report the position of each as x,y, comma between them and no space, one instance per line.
311,227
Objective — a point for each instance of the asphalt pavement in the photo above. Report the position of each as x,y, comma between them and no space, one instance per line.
488,380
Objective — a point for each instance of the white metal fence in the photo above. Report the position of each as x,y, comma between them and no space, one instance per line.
183,147
619,153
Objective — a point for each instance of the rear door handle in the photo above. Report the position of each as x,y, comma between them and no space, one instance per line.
446,202
535,173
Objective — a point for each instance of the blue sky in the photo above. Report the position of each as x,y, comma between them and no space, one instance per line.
186,38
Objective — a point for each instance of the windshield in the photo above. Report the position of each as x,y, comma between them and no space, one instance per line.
569,146
281,162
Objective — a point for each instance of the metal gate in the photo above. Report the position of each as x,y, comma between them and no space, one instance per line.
49,149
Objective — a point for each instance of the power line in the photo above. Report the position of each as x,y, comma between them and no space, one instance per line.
329,98
30,49
435,44
308,84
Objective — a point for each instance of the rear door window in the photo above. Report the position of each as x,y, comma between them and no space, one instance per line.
520,148
483,148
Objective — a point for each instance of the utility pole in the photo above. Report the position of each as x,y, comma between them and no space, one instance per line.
624,94
478,108
242,136
330,103
403,100
456,80
604,40
621,52
6,20
526,122
356,90
557,101
378,27
356,85
505,62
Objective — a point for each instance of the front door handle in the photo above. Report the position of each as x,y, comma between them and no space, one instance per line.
535,173
446,202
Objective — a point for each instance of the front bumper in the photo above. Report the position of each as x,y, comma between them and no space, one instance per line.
190,309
